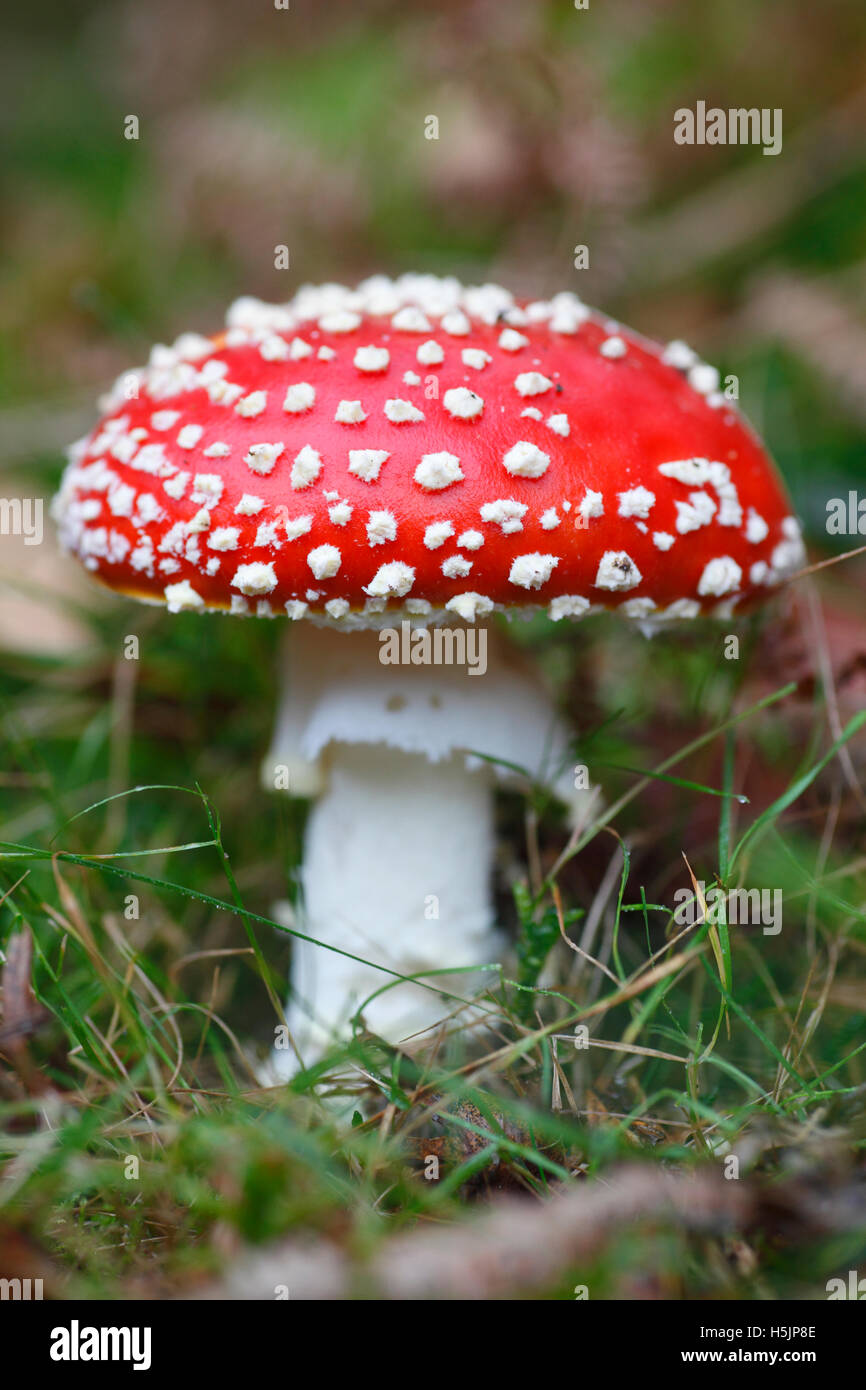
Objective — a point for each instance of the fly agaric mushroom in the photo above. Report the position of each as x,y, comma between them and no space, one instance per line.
416,452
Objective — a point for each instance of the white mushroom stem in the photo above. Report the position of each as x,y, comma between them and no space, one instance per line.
397,870
399,844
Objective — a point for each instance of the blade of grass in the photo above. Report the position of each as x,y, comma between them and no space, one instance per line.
797,787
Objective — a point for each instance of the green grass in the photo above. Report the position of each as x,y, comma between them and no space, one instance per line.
142,1037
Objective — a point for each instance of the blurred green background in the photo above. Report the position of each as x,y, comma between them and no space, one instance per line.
305,127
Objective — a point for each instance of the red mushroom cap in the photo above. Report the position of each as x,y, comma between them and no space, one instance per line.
413,445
